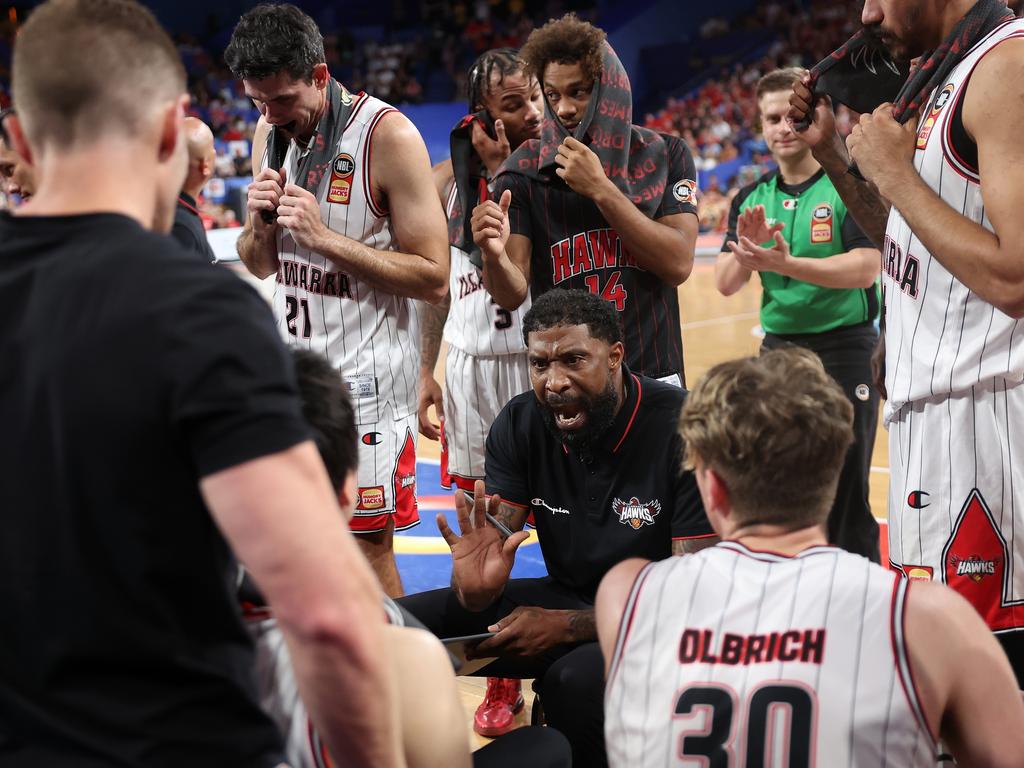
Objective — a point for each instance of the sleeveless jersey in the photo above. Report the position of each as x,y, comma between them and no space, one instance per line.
940,337
371,336
735,656
476,324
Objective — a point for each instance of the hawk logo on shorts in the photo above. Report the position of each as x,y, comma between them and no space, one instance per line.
340,188
685,190
371,498
974,567
636,513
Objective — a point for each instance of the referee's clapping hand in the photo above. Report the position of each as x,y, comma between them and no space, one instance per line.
481,558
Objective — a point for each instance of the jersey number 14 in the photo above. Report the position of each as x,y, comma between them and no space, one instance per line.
612,291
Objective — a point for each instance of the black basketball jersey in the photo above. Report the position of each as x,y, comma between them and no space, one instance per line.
574,247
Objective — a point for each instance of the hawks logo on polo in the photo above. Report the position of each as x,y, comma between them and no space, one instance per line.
636,513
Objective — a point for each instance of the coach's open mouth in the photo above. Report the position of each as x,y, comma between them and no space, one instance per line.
569,417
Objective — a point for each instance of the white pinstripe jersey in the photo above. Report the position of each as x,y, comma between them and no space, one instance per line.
940,337
759,659
371,336
476,324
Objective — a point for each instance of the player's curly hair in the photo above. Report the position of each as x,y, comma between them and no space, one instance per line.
775,429
559,307
567,40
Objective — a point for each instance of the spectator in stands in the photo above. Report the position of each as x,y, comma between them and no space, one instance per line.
17,176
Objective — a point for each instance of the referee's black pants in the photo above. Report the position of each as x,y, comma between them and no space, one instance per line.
568,678
846,355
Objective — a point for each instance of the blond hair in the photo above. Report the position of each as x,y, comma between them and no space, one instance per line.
89,68
775,429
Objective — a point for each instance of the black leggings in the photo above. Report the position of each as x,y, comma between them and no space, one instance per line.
534,746
568,678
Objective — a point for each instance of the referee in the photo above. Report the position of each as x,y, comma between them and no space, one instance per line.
593,453
819,274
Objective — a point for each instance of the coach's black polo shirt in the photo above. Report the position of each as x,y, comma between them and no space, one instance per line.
188,228
629,499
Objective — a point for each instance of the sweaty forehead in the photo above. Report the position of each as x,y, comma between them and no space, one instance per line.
514,83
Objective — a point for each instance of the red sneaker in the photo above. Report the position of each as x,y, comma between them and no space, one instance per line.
496,714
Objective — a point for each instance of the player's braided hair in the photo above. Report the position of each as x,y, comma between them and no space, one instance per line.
328,411
559,307
503,61
568,40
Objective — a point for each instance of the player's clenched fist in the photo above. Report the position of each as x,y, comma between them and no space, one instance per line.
264,197
299,211
490,225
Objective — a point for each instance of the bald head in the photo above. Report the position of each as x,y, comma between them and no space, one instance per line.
201,155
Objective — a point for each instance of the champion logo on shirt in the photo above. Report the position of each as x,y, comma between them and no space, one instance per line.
542,503
636,513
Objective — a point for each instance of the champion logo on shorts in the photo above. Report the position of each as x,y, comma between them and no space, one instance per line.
372,438
916,499
636,513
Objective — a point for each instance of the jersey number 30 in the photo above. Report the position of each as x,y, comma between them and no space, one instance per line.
713,746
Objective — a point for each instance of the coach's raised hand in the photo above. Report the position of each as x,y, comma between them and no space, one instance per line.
481,558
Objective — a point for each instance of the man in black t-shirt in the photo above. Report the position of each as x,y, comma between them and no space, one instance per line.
150,430
593,453
596,203
188,226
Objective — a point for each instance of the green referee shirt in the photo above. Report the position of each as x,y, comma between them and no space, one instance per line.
816,227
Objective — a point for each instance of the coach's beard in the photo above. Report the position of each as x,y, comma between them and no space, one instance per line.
598,413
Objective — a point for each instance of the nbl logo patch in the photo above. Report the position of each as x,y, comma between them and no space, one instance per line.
685,190
636,513
929,123
821,224
342,170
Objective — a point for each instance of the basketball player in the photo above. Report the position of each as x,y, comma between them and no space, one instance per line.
151,433
773,648
17,177
946,189
343,210
819,274
486,362
596,203
188,226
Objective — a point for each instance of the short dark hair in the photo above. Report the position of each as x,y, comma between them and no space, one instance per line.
270,39
567,40
775,429
559,307
503,61
328,411
89,68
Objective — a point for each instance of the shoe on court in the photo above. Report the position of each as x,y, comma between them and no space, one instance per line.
496,714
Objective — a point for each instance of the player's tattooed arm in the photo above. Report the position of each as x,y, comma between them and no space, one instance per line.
432,320
689,546
869,209
511,516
